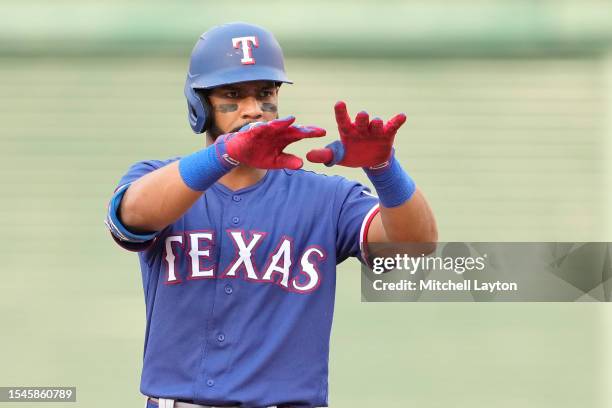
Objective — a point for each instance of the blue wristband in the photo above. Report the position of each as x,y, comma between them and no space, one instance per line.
116,226
393,185
202,169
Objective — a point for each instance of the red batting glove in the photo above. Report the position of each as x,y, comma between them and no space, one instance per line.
261,144
363,143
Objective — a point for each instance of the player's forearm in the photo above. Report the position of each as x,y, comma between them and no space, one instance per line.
156,200
161,197
412,221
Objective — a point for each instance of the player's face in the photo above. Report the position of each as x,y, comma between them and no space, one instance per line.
233,106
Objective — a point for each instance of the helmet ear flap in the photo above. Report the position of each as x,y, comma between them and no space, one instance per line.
198,110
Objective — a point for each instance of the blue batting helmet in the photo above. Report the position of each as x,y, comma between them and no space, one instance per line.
228,54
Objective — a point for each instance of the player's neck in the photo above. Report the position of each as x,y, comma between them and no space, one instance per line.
242,177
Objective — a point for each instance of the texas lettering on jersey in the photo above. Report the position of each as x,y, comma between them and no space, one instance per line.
196,249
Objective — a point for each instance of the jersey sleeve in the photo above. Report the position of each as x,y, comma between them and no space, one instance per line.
357,208
122,236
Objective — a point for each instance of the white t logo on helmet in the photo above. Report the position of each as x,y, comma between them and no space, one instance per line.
245,43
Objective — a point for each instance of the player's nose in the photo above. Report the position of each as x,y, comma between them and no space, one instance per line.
251,108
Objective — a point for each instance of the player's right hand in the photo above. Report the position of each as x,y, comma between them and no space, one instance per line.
261,144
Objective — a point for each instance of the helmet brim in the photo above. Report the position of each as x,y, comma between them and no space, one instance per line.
237,75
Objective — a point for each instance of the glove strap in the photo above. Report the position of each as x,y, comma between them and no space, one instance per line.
393,185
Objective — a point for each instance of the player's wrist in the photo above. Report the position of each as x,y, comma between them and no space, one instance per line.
381,167
392,183
222,151
202,169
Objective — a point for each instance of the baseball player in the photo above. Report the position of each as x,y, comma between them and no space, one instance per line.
238,247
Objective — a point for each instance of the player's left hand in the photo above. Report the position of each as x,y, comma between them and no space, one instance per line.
362,143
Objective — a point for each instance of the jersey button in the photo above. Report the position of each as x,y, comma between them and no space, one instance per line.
235,220
210,383
220,337
228,289
236,198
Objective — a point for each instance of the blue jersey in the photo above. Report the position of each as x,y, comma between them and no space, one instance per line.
240,290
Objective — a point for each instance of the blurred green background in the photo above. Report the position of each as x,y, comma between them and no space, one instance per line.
509,122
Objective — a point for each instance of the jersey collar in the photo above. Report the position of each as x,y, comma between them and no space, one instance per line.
226,191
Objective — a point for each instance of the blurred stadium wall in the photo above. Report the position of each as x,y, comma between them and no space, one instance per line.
508,134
